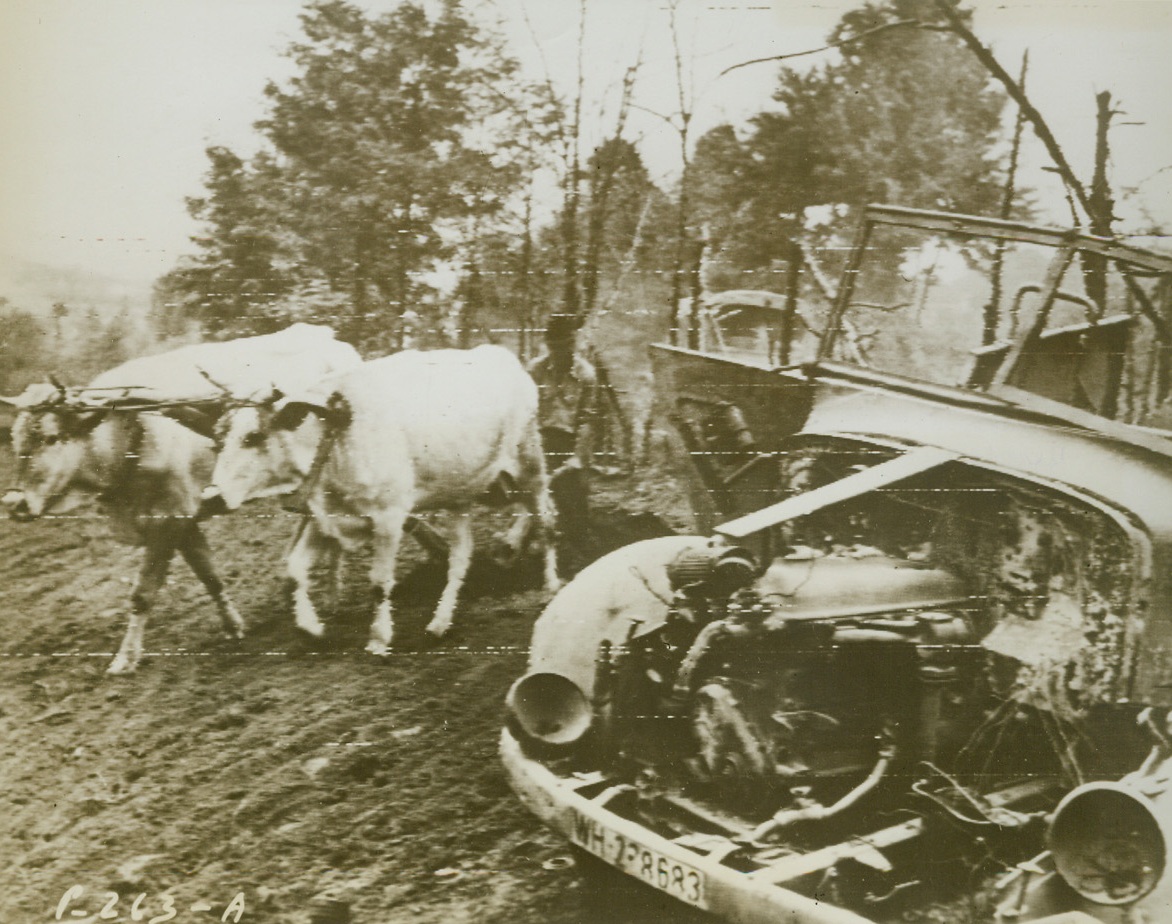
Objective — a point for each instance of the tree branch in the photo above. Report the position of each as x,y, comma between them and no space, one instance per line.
846,41
1041,129
658,115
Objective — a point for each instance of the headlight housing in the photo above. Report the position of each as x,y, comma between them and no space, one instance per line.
1108,843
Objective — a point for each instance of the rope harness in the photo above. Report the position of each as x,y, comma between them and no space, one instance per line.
337,417
125,472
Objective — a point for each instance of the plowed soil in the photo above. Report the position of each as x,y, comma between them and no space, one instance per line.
321,783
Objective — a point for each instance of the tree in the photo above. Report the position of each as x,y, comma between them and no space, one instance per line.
22,347
625,218
502,282
394,133
246,263
904,115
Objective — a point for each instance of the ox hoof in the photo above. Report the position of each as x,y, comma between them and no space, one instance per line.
379,649
231,624
504,556
438,631
119,667
233,633
313,630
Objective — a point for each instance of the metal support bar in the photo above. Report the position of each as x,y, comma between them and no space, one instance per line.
1037,322
803,864
870,479
1015,231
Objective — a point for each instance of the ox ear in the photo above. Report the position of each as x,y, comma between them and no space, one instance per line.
82,424
201,420
338,411
291,414
269,396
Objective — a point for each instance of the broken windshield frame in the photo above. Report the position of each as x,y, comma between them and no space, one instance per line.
1072,318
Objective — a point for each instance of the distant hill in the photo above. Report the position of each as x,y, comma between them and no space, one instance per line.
103,320
36,287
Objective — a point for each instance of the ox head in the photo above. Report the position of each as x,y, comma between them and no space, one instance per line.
50,439
266,448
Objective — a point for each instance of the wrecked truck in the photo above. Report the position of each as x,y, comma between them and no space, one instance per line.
916,661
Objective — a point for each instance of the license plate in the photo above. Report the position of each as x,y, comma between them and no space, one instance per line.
650,866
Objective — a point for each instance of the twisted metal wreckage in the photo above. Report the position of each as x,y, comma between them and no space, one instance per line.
924,662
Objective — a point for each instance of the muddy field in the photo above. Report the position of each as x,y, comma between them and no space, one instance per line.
317,782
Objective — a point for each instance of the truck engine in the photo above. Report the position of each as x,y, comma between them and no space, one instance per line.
917,664
946,651
765,705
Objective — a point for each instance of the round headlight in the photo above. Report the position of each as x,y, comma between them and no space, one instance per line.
1108,845
550,708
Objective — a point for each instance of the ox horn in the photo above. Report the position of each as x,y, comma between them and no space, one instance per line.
220,385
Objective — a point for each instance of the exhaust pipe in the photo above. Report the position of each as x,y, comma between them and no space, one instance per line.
550,708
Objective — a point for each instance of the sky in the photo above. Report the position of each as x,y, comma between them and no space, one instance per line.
106,106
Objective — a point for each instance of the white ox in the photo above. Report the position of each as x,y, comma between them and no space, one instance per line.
409,433
146,468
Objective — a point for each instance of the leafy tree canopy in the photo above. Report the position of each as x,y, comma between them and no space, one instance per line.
903,115
397,133
616,170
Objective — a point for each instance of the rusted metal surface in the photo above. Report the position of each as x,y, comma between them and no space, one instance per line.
955,649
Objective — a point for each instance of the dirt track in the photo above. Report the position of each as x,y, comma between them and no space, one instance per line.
290,772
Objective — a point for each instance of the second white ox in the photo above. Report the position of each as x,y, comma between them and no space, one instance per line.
408,433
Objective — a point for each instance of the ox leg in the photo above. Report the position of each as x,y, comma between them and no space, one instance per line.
431,541
387,533
536,523
543,511
539,519
151,575
198,556
333,559
517,538
459,557
298,565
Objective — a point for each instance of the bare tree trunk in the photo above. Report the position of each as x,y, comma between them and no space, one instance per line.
696,291
629,257
1027,109
571,295
680,260
793,281
1103,211
677,287
602,183
1102,203
525,281
992,318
